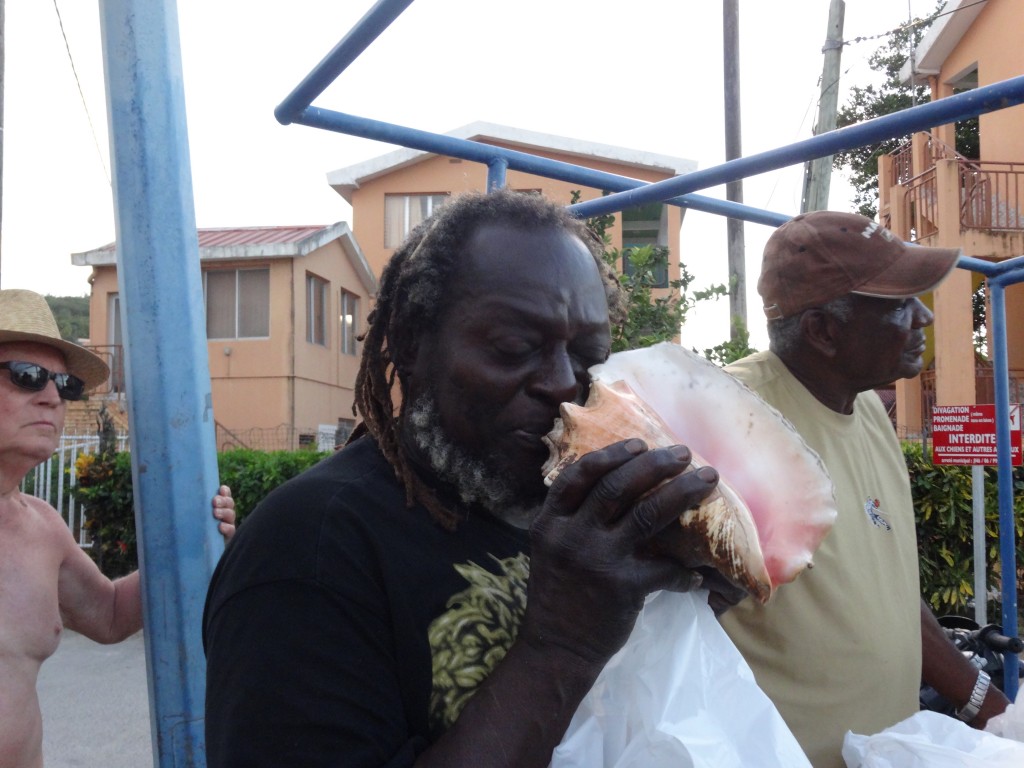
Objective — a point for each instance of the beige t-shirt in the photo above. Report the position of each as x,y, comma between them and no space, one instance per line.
840,648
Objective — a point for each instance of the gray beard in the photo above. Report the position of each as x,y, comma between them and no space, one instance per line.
474,478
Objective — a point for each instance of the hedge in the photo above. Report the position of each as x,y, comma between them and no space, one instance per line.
945,532
105,487
942,502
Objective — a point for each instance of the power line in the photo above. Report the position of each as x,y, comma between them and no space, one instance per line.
910,24
81,94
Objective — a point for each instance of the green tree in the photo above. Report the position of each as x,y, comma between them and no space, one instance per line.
735,349
891,95
72,316
654,316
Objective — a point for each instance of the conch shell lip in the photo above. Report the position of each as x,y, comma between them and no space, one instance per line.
783,480
673,396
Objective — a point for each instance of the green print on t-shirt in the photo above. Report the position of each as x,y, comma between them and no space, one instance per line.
474,634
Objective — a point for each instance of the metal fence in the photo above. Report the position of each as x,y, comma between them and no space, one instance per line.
55,479
284,437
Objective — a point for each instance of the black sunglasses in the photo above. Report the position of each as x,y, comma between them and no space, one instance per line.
34,378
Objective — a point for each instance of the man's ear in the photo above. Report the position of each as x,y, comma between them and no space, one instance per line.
821,332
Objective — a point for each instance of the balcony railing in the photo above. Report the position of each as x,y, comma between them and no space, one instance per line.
922,193
113,356
902,168
991,192
990,195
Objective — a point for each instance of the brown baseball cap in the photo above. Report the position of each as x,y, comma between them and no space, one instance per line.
816,257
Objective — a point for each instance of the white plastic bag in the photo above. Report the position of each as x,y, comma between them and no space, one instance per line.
930,740
1009,725
677,695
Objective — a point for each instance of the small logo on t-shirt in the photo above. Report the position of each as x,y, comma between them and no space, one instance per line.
874,512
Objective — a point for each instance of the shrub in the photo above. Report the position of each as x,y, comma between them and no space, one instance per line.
251,475
945,531
105,487
942,510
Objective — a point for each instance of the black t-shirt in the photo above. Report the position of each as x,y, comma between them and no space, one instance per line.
343,628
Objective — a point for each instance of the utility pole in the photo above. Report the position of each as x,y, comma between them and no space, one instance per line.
818,172
733,150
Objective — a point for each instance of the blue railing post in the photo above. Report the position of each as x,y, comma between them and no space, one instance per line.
497,170
1007,529
174,462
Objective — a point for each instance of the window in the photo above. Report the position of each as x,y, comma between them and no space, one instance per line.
403,212
349,316
316,310
646,225
237,303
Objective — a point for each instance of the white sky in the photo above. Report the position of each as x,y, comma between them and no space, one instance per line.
645,74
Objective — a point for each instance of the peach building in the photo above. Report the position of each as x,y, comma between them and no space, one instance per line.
931,195
283,308
392,193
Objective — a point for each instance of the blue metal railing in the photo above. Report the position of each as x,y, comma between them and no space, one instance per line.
628,193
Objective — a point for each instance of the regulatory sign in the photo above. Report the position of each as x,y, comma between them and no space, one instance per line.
966,434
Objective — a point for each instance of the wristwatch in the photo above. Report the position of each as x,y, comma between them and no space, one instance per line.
970,710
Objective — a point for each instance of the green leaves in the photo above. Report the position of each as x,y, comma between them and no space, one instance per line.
943,511
251,475
656,308
72,316
653,315
105,487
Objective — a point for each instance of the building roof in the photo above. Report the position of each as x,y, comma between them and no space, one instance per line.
240,243
346,180
941,38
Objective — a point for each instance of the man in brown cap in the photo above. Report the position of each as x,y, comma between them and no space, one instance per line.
846,646
47,582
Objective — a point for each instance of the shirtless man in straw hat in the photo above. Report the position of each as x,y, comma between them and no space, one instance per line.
46,581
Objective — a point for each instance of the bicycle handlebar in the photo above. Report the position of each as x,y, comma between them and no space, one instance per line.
992,636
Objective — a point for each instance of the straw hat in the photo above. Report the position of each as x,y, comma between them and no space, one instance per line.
25,316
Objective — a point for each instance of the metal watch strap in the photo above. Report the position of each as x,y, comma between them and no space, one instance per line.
971,708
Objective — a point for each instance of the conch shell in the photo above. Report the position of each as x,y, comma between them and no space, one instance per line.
723,527
774,503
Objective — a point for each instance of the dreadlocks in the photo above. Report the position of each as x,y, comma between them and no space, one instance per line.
412,296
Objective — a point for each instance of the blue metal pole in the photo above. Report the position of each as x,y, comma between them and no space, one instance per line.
1011,271
365,31
449,146
296,108
174,462
497,170
989,98
987,268
1007,530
